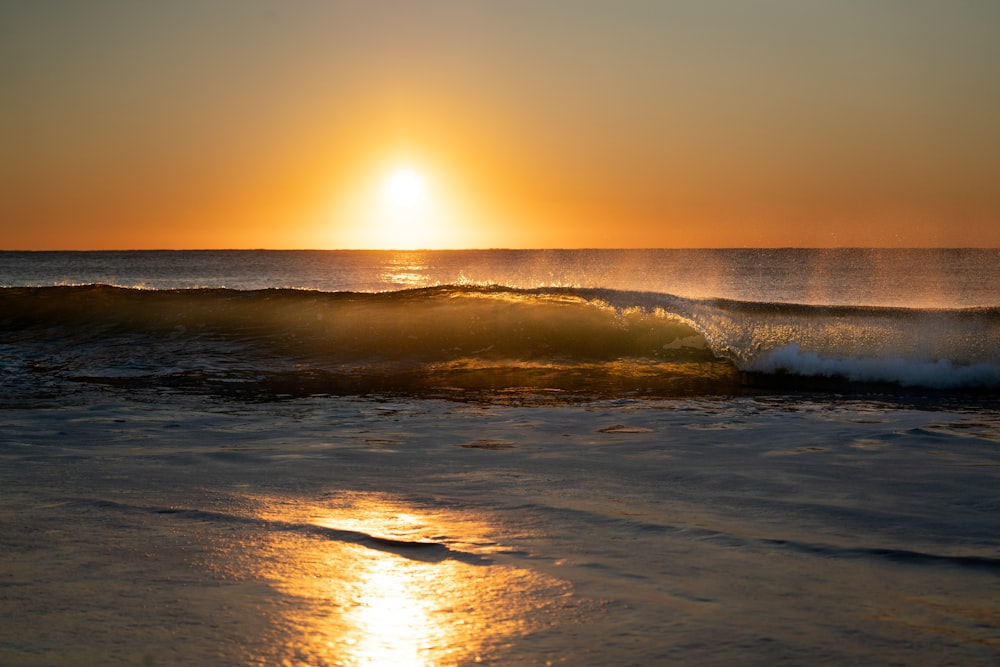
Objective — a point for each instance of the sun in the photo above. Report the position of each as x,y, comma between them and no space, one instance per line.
404,187
407,216
403,204
410,210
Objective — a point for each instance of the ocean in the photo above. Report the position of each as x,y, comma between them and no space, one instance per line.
509,457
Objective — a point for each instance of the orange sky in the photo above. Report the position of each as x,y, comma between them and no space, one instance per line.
717,123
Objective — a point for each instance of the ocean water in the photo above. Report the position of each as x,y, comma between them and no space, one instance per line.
709,457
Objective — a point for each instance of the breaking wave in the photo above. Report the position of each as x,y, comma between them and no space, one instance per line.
462,337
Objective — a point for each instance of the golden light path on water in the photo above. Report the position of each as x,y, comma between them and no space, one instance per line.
379,582
406,270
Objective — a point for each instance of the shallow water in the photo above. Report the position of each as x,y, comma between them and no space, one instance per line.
774,530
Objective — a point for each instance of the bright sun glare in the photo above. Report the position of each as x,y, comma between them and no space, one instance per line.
404,187
408,215
405,205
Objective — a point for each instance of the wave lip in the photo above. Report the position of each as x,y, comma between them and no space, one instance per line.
908,347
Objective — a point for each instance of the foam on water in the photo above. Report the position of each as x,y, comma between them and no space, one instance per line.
940,374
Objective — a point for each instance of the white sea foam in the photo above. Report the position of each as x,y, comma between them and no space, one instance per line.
937,374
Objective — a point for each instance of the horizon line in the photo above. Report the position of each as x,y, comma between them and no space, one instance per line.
506,249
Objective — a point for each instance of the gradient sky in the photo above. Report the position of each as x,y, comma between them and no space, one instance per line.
708,123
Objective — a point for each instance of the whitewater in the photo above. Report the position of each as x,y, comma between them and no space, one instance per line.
580,457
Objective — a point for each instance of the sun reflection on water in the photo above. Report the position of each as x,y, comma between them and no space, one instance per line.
376,582
406,270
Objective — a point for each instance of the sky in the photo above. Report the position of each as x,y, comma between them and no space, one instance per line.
524,124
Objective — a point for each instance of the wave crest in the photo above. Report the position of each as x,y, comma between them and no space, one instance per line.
487,337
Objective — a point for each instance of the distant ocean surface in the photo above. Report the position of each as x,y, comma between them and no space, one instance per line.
579,457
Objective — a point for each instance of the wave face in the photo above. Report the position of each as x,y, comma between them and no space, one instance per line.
459,338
